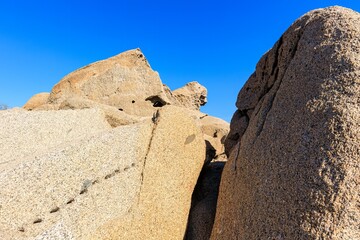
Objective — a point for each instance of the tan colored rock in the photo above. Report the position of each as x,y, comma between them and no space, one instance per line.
191,96
36,101
115,117
125,81
204,198
215,132
170,173
119,183
25,135
294,173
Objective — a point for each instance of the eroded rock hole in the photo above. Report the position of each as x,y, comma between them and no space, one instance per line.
120,109
215,134
70,201
54,210
133,101
37,221
109,175
83,191
156,101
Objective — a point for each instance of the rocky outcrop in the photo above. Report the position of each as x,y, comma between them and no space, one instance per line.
127,91
99,182
36,101
191,96
125,82
294,170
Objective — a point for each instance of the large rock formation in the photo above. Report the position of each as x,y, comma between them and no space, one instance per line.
125,81
294,169
94,181
127,91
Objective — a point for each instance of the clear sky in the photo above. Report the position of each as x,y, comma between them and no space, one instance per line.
216,43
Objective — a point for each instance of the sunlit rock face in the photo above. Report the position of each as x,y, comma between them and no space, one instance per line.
294,169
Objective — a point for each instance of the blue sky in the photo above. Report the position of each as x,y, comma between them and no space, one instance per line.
216,43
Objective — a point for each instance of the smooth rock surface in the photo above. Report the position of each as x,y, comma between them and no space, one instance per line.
294,172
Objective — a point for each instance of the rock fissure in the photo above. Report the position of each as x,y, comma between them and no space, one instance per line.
277,81
155,119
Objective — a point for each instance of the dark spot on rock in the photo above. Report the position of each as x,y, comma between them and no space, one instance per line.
126,168
120,109
21,229
133,101
70,201
190,139
156,101
83,191
37,221
54,210
158,104
109,175
133,164
234,137
215,134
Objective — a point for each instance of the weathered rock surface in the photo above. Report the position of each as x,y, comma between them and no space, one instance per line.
116,183
36,101
125,81
113,115
294,169
191,96
170,174
215,132
25,135
127,91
